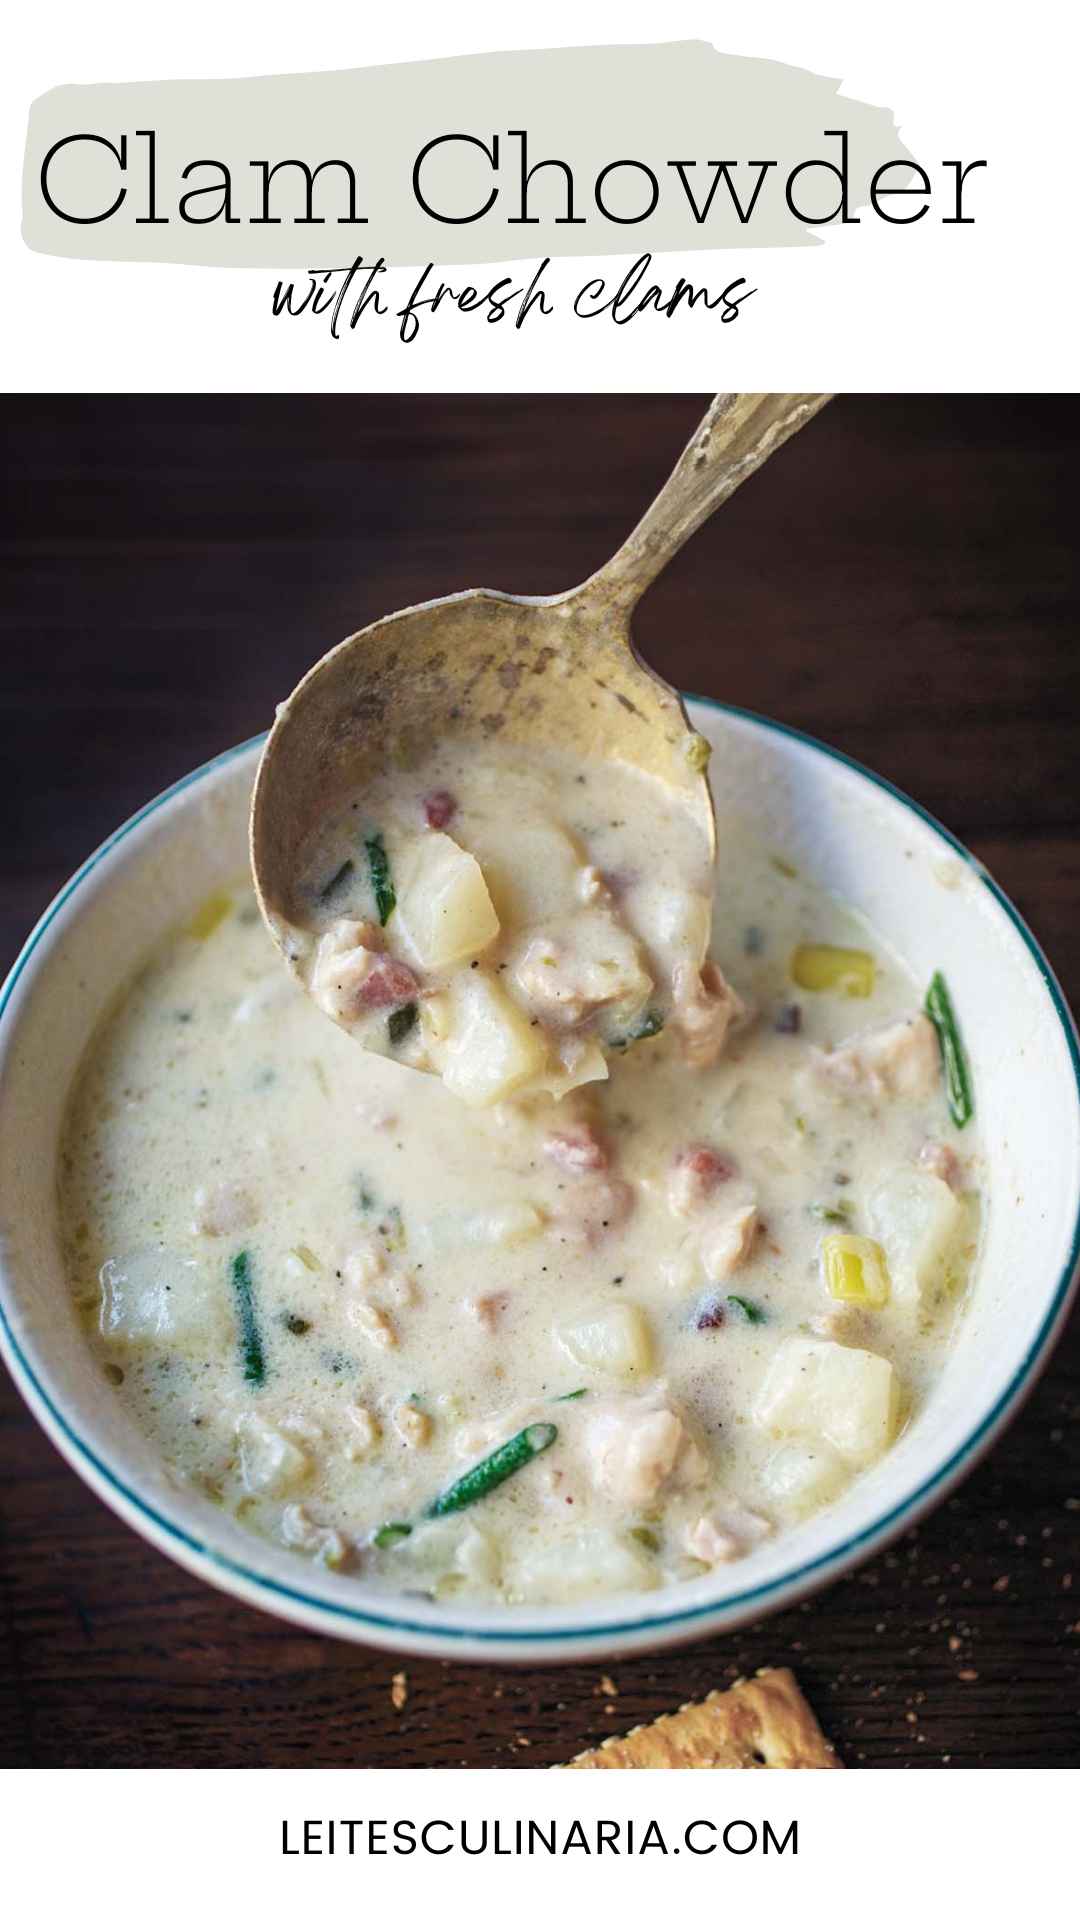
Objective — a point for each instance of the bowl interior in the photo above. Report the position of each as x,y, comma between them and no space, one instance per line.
848,833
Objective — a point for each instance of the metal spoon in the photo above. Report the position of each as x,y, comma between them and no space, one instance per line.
556,669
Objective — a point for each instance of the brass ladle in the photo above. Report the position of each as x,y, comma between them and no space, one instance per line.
557,669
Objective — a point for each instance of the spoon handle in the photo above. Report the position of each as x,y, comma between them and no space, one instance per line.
735,438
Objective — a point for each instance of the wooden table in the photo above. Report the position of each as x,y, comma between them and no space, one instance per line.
902,581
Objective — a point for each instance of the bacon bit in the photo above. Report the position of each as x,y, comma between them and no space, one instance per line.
388,983
788,1020
710,1314
439,808
967,1673
695,1176
399,1691
577,1150
486,1308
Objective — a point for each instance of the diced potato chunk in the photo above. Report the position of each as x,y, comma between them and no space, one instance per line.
844,1395
452,1556
575,1060
799,1477
917,1219
155,1295
444,909
589,1563
532,876
854,1269
269,1461
490,1048
506,1225
821,969
616,1340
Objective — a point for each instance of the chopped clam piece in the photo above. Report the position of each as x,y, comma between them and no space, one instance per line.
725,1533
706,1008
729,1244
634,1448
413,1425
363,1435
227,1207
270,1462
373,1322
900,1061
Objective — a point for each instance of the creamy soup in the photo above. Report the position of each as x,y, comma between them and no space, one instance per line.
536,1350
509,926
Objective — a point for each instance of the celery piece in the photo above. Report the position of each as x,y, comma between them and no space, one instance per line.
855,1269
216,908
824,969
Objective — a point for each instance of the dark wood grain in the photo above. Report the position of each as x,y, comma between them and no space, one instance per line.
902,581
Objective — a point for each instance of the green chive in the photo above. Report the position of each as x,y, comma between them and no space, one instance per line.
379,865
749,1308
401,1022
391,1533
836,1215
250,1339
939,1008
490,1473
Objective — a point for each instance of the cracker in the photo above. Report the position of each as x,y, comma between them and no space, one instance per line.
763,1722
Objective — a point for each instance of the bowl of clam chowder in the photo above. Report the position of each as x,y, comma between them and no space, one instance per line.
689,1269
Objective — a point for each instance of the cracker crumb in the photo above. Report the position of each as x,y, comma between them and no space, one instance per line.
955,1643
399,1691
607,1686
967,1673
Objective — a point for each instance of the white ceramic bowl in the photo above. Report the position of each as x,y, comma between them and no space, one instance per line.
853,835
